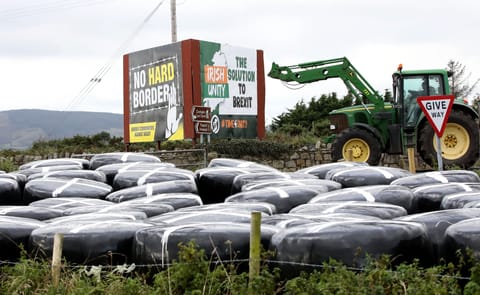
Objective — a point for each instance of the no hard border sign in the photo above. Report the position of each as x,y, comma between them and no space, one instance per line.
437,110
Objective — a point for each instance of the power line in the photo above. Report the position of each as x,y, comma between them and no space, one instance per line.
41,8
97,78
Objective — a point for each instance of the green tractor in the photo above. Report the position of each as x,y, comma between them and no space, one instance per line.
390,127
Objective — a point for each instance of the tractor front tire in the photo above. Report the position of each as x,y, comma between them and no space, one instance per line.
365,146
459,143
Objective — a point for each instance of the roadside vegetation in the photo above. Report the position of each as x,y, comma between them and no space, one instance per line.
196,273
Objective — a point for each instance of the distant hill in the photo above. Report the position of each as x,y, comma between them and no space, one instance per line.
20,128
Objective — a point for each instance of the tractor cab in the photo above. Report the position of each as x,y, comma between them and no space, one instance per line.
408,86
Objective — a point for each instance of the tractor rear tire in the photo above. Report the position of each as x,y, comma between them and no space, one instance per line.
459,143
364,145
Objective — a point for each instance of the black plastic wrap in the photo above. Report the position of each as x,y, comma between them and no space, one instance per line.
428,198
390,194
150,189
366,175
436,177
44,188
350,242
159,245
380,210
120,157
284,198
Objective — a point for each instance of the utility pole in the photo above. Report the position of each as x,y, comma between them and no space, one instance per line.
173,15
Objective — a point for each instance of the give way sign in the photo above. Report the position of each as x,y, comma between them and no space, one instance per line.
437,110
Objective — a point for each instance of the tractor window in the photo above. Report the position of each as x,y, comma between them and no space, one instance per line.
413,87
435,85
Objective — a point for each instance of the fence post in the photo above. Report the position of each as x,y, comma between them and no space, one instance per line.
254,260
411,160
57,258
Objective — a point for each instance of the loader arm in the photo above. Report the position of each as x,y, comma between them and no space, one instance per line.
332,68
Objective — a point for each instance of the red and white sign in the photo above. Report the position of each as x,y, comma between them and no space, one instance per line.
437,110
201,113
203,127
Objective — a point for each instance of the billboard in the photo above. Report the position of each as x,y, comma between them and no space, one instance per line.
228,77
162,85
155,94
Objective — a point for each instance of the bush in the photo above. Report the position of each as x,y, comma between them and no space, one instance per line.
195,272
7,165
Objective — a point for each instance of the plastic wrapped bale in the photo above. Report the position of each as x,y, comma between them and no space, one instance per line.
463,237
238,163
221,241
176,200
259,184
37,213
19,178
321,170
350,242
284,198
83,163
366,175
10,192
44,188
148,210
459,200
380,210
240,180
436,224
151,189
15,233
67,203
178,217
215,183
436,177
264,207
120,157
151,209
31,171
86,209
390,194
69,174
130,178
428,198
111,170
89,242
125,215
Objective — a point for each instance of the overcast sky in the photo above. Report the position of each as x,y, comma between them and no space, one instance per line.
50,49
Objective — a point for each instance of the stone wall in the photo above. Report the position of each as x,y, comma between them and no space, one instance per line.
307,157
199,158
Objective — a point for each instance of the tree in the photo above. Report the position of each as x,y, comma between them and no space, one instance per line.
388,95
305,115
459,80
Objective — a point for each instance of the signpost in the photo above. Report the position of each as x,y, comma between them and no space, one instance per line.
202,118
437,110
201,113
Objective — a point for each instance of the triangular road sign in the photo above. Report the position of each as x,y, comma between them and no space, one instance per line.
437,110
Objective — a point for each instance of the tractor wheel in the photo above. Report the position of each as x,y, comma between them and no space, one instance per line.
365,147
459,143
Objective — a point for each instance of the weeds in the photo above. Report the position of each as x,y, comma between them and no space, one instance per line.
197,273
